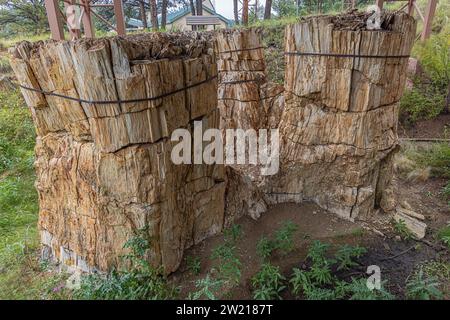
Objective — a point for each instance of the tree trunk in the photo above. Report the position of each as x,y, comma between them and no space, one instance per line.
236,11
199,13
268,10
245,12
164,14
191,4
199,7
104,172
143,14
154,15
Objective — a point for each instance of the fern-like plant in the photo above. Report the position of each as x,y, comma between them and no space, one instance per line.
268,283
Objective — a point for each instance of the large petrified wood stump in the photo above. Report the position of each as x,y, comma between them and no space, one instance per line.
339,125
104,167
104,170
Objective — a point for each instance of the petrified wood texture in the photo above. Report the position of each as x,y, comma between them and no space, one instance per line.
104,169
339,125
246,99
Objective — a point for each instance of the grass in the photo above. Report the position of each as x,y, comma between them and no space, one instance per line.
22,275
420,162
9,42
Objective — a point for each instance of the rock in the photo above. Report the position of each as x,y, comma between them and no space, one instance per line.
417,228
411,213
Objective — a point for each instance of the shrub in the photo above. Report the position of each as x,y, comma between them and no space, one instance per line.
268,283
434,56
229,265
141,282
346,254
359,290
233,233
284,237
317,282
444,235
207,288
421,103
194,264
420,287
265,247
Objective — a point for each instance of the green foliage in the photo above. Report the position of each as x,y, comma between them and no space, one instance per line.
317,252
233,233
358,290
424,103
141,281
229,265
420,287
318,282
284,237
20,276
444,235
346,254
16,134
401,229
434,56
194,264
22,16
427,99
207,288
283,241
268,283
265,247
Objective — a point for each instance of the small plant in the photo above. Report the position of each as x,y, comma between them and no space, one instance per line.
141,282
229,264
346,254
284,237
317,252
318,282
207,288
233,233
420,287
194,264
401,229
268,283
300,281
265,247
359,290
321,273
444,235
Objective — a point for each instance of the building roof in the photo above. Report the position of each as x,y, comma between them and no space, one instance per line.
180,13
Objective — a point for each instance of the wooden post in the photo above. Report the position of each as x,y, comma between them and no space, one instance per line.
411,7
120,23
379,3
54,19
245,12
87,21
429,15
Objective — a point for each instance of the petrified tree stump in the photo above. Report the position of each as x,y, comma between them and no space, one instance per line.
103,157
339,126
104,169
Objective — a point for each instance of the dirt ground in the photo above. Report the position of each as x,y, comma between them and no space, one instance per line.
396,258
438,127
